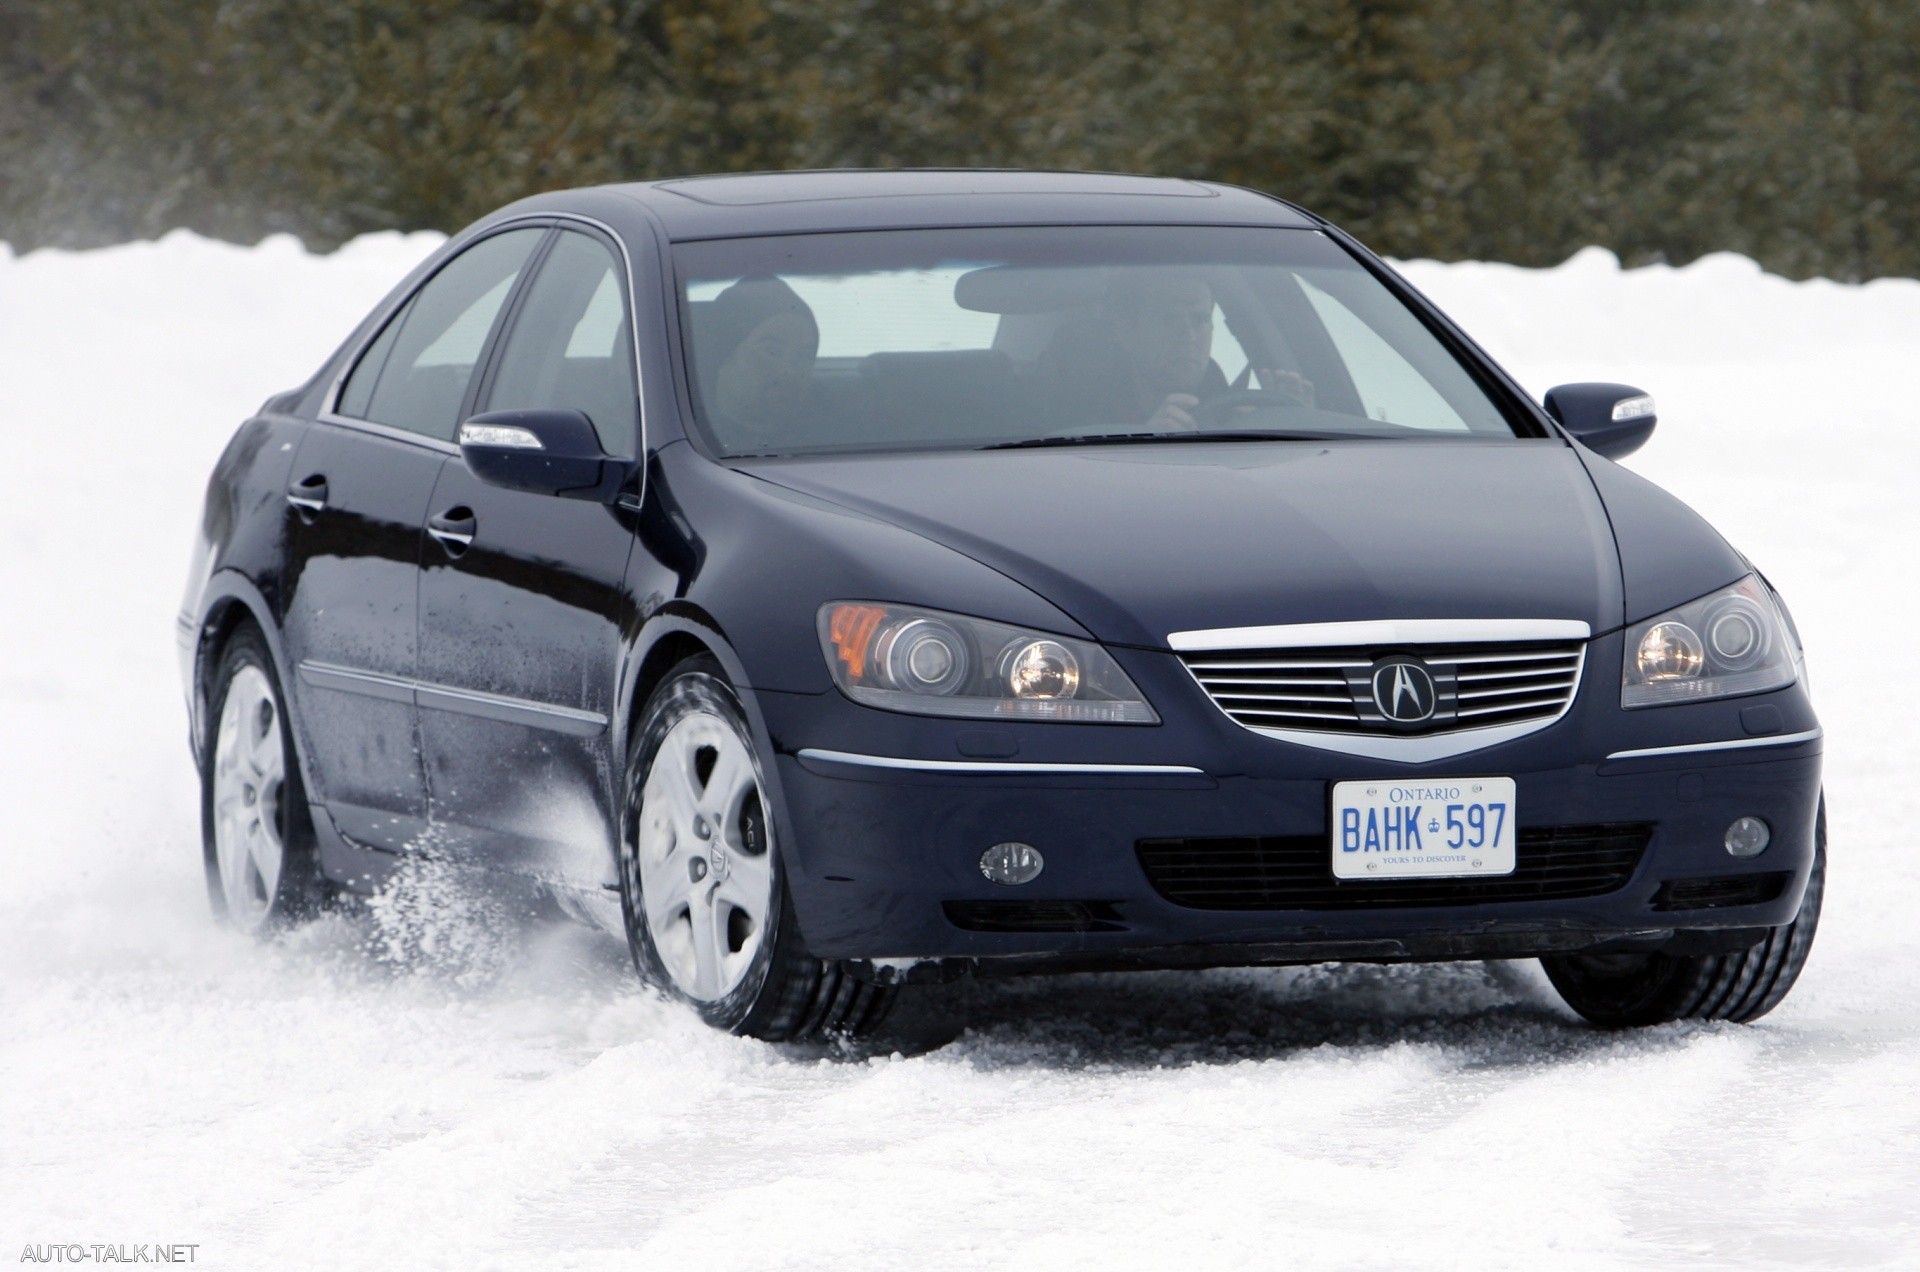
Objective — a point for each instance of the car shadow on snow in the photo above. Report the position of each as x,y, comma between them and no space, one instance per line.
441,927
1489,1014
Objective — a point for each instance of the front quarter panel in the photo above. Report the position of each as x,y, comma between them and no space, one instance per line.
759,560
1669,554
741,567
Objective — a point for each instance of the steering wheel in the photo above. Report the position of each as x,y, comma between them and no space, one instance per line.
1216,411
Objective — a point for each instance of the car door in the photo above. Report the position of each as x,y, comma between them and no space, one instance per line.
521,596
357,503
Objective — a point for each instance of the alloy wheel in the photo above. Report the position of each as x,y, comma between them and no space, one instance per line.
706,872
249,786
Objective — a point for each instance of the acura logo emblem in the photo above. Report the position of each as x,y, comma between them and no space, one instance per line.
1403,690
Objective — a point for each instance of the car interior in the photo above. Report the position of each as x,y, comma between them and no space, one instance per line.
1013,383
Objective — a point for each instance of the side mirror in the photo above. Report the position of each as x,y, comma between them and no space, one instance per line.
546,452
1613,419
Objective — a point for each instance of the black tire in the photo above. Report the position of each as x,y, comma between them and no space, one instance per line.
301,891
1619,991
785,994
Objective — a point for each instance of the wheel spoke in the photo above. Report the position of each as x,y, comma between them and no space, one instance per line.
667,891
709,950
674,772
728,785
263,848
249,726
233,864
226,750
269,755
232,836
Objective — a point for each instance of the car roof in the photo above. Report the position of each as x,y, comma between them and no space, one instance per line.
864,199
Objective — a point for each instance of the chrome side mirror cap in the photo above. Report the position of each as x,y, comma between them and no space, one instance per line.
544,452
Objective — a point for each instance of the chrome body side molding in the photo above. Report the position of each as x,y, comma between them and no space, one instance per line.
1736,744
988,766
491,706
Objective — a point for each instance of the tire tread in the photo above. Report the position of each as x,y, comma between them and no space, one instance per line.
800,998
1741,986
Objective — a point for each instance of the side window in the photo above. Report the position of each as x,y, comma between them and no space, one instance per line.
571,346
357,394
415,374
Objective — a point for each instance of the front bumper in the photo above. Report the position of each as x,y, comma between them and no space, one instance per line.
875,852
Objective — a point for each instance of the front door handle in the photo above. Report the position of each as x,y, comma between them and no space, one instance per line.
454,529
309,496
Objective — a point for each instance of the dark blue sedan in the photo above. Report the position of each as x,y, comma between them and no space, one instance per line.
835,580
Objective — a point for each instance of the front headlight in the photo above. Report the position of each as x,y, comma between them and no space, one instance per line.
1730,643
930,663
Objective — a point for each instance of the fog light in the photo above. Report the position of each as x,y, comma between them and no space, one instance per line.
1012,863
1748,837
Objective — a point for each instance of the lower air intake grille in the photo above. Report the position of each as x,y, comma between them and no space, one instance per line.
1294,872
1033,916
1719,894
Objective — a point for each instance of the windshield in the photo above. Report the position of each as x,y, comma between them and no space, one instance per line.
917,339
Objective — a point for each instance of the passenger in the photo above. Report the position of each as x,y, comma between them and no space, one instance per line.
756,346
1150,362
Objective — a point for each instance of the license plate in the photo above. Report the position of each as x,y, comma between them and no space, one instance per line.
1423,830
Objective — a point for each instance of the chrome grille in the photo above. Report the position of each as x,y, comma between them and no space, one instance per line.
1331,690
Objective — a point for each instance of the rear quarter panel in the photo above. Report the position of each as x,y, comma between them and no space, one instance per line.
239,548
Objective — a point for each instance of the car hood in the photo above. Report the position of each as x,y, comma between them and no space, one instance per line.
1138,541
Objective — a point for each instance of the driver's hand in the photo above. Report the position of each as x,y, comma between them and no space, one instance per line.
1173,415
1290,383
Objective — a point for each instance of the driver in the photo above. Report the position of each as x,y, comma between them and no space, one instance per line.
1158,362
758,346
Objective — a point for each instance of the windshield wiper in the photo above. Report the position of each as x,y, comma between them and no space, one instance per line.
1216,435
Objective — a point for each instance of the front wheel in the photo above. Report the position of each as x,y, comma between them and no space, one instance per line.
702,890
1626,990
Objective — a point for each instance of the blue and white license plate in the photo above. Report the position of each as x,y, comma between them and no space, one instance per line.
1423,830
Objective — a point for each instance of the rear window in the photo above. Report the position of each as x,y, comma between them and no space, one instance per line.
919,339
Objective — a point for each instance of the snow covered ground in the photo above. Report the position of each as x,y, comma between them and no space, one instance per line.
506,1097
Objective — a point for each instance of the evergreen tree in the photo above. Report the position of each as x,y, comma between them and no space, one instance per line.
1514,130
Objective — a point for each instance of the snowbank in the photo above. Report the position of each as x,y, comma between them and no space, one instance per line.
311,1105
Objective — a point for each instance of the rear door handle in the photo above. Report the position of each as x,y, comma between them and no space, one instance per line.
453,529
309,494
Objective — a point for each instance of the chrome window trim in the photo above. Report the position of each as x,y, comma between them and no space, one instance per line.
424,693
1385,631
389,432
988,766
1783,739
329,415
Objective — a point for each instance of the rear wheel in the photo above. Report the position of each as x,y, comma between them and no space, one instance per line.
704,896
1624,990
256,831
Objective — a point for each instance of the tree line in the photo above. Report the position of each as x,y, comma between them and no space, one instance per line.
1515,130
